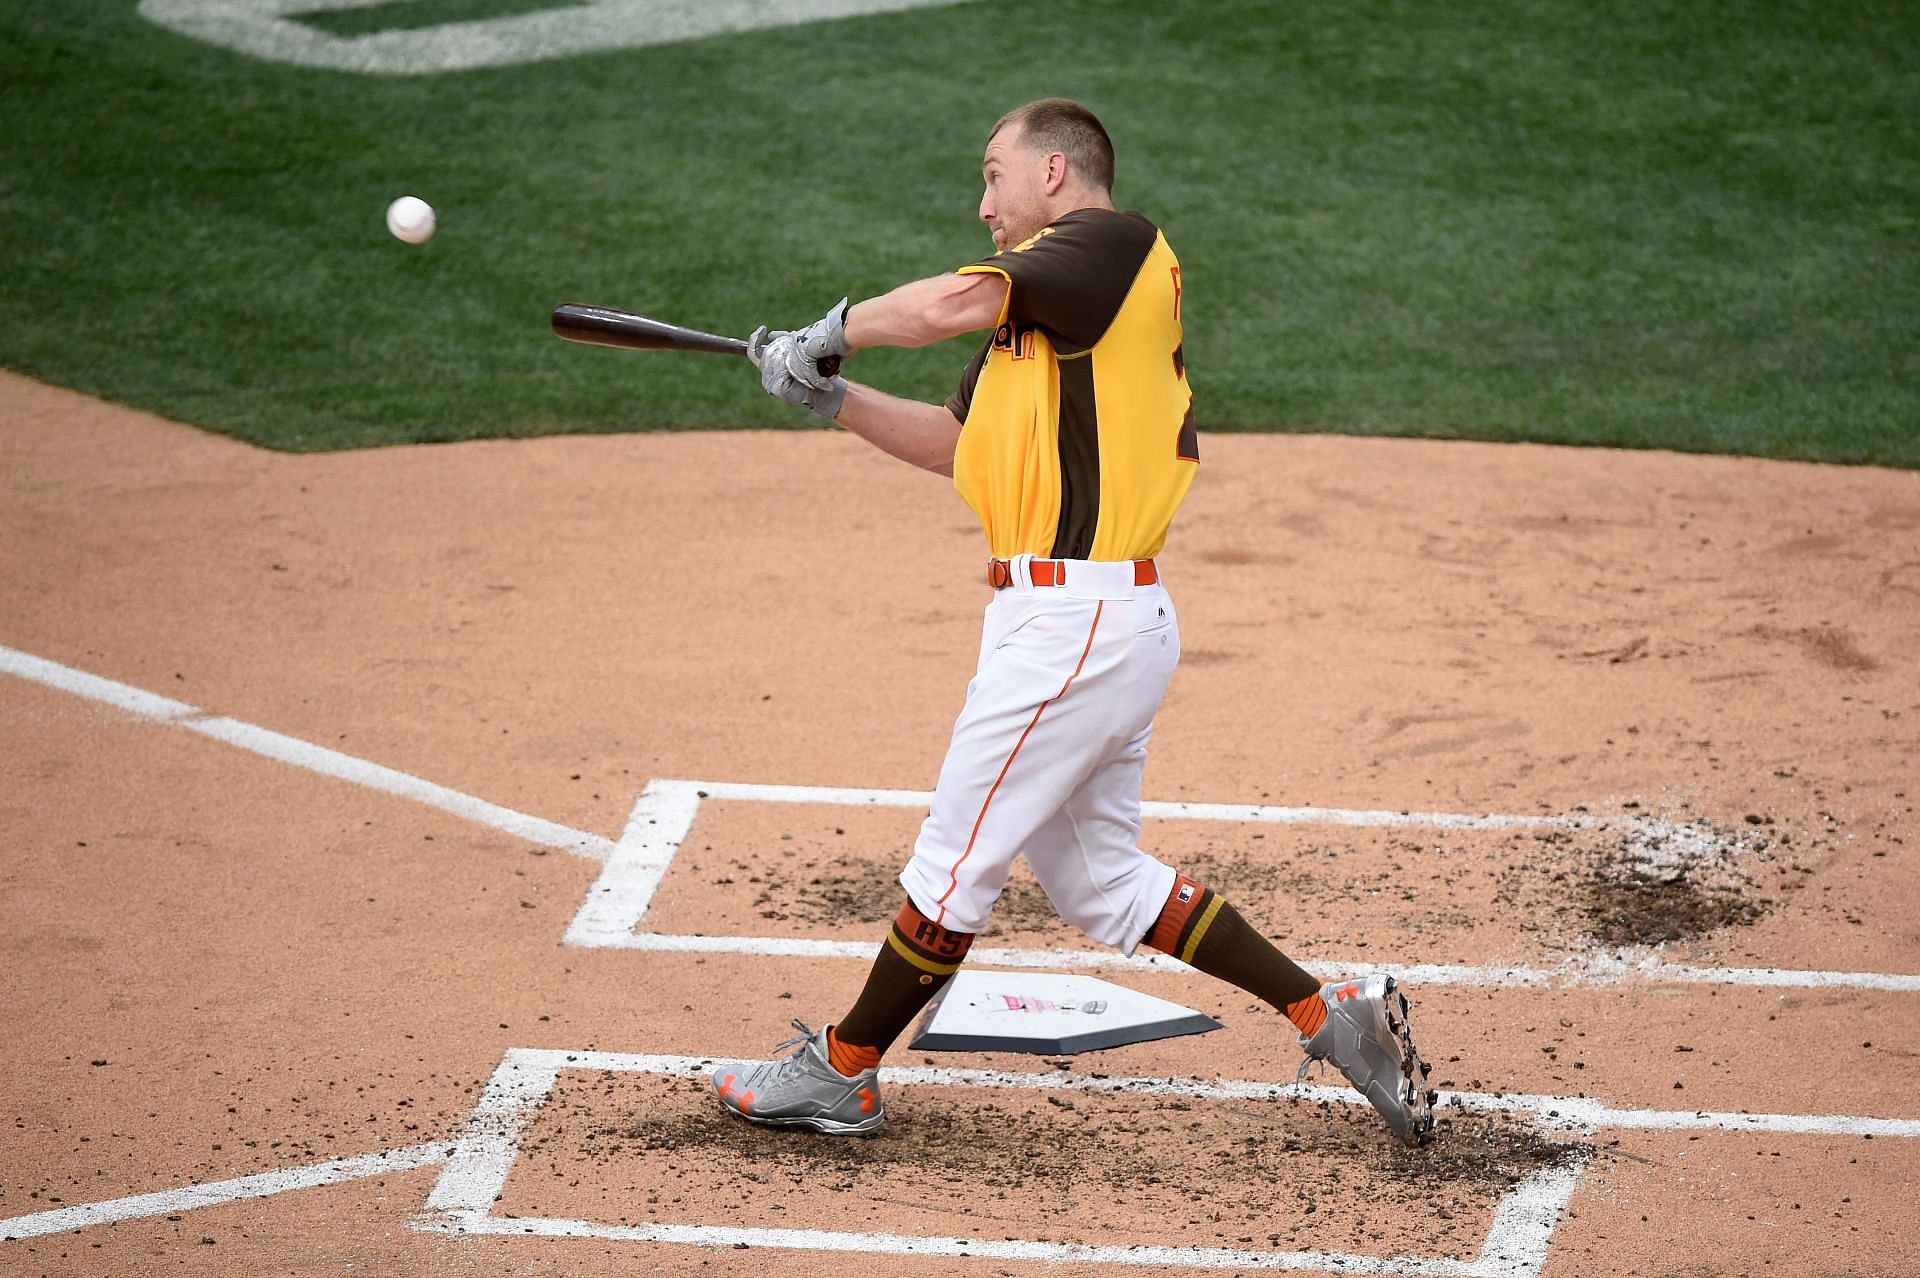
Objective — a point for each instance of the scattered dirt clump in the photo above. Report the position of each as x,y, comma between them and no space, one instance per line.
855,889
1654,884
1117,1142
1629,904
1671,884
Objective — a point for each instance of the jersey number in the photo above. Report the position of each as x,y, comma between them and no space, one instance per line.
1188,448
1179,350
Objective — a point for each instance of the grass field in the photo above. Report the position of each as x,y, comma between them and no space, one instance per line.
1631,222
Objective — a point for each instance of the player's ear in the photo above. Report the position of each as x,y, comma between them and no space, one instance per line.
1056,174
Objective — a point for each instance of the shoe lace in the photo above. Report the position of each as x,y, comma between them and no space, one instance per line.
791,1061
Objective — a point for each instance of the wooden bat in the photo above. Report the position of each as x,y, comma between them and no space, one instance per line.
604,326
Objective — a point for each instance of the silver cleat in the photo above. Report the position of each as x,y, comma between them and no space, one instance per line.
802,1089
1366,1038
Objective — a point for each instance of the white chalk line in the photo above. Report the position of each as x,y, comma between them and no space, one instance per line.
841,796
302,754
665,811
168,1202
916,1245
267,29
528,1072
462,1200
1594,971
664,814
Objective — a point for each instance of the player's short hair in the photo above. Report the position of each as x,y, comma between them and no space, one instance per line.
1061,124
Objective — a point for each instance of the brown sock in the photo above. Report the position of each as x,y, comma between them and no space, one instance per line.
918,958
1199,928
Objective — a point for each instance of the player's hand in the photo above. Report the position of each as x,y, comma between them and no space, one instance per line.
822,345
775,354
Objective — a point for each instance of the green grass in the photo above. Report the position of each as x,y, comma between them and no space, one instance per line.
1645,223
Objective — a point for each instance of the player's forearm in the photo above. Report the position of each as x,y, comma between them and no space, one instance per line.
923,434
928,311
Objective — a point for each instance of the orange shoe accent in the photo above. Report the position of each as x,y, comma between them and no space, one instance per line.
746,1102
1346,992
1308,1014
954,883
866,1100
726,1085
850,1058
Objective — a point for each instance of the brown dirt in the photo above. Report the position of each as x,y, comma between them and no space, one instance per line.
278,968
1472,895
1268,1173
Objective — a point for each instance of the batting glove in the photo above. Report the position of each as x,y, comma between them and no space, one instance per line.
822,345
775,354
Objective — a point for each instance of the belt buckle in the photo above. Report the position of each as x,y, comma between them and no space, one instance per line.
999,574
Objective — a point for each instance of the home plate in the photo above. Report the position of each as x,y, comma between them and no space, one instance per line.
1048,1013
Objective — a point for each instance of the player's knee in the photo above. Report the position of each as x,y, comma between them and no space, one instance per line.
1119,913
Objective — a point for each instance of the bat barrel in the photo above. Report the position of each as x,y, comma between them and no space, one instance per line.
604,326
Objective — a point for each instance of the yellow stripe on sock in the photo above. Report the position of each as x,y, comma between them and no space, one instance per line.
1200,928
919,960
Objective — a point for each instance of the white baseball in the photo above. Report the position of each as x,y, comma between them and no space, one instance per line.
410,218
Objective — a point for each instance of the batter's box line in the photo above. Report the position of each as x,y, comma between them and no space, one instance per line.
475,1177
611,914
616,905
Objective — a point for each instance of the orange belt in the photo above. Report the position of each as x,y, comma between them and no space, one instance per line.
1053,572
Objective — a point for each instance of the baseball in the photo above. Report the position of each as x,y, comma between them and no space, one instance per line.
410,218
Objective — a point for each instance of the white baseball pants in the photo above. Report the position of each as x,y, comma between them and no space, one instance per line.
1047,756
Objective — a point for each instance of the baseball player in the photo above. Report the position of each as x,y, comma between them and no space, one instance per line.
1071,436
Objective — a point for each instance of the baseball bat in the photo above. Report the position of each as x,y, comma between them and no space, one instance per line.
605,326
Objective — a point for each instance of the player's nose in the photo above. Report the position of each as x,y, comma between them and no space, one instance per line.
986,206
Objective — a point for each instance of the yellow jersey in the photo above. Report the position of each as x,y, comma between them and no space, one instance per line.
1077,437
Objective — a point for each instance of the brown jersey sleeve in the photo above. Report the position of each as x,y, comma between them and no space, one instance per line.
1070,279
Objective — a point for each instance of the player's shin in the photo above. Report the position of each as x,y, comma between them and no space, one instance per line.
918,958
1198,927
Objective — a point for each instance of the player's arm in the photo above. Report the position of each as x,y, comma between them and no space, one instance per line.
915,314
927,311
923,434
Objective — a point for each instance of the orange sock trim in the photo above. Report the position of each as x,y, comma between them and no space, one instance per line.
1173,930
1308,1014
925,944
849,1058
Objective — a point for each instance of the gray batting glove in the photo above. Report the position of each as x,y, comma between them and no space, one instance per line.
757,343
774,355
823,340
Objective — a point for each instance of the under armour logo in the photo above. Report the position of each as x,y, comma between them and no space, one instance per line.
744,1101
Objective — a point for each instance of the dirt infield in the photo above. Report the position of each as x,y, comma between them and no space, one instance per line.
313,770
